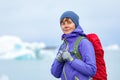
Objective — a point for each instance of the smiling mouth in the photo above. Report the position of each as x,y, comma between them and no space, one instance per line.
66,30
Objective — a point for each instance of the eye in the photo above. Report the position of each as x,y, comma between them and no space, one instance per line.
62,23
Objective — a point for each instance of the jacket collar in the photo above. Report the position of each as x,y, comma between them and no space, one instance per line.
77,32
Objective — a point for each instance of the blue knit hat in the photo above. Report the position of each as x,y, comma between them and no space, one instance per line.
73,16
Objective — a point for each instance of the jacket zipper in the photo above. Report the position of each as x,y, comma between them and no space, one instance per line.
76,78
64,65
64,73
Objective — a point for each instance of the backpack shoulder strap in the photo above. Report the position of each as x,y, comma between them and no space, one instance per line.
75,50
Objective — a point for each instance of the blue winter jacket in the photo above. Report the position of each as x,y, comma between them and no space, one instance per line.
77,69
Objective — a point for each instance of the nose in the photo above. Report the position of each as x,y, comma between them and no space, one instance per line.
66,24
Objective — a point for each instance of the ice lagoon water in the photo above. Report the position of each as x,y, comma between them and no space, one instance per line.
40,69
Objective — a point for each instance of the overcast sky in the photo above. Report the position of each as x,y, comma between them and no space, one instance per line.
38,20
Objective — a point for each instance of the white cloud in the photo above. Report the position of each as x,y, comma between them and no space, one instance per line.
36,16
4,77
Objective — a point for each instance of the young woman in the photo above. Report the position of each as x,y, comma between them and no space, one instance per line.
66,66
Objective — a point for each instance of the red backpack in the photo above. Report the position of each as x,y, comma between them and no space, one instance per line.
99,53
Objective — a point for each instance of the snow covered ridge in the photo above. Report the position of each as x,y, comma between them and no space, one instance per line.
113,47
12,47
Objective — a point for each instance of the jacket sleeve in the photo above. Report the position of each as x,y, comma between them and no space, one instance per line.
56,69
87,65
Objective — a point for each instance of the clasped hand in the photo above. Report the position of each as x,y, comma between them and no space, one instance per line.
64,56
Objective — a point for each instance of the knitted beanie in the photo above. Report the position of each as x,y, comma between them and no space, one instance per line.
73,16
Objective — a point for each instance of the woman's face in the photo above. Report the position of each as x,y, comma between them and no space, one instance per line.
67,25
